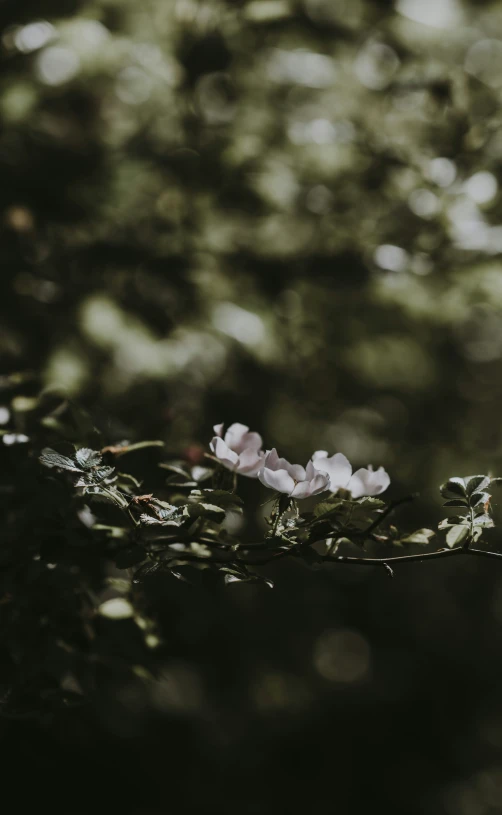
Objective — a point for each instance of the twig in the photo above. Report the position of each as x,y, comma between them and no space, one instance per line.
392,506
439,553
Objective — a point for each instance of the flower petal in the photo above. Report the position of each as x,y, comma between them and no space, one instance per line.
234,434
368,482
310,471
218,429
225,456
296,471
250,461
320,483
301,490
319,454
338,467
279,480
250,441
271,459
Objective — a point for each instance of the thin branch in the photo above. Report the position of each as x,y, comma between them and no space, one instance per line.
392,506
483,553
385,561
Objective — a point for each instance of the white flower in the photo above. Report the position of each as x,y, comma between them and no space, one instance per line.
339,469
292,479
240,450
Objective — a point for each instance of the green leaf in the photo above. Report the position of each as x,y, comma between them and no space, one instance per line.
149,520
128,480
476,482
484,521
453,520
479,498
88,458
173,468
200,473
421,536
95,476
456,502
49,458
109,495
167,512
361,512
210,511
340,541
326,508
222,498
369,501
237,574
453,488
456,535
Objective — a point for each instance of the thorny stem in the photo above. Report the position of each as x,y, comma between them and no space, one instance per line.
295,549
384,562
354,561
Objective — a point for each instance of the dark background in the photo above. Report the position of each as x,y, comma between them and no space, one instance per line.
285,214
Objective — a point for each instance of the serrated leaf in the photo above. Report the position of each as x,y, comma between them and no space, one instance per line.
167,513
108,495
162,504
326,508
95,476
221,498
88,458
453,520
370,502
149,520
456,502
476,482
479,498
50,458
421,536
484,521
457,534
210,511
453,488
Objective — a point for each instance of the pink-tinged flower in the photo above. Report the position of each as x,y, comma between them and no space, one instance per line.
339,470
239,450
291,479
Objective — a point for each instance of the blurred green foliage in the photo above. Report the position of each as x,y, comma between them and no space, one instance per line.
285,213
